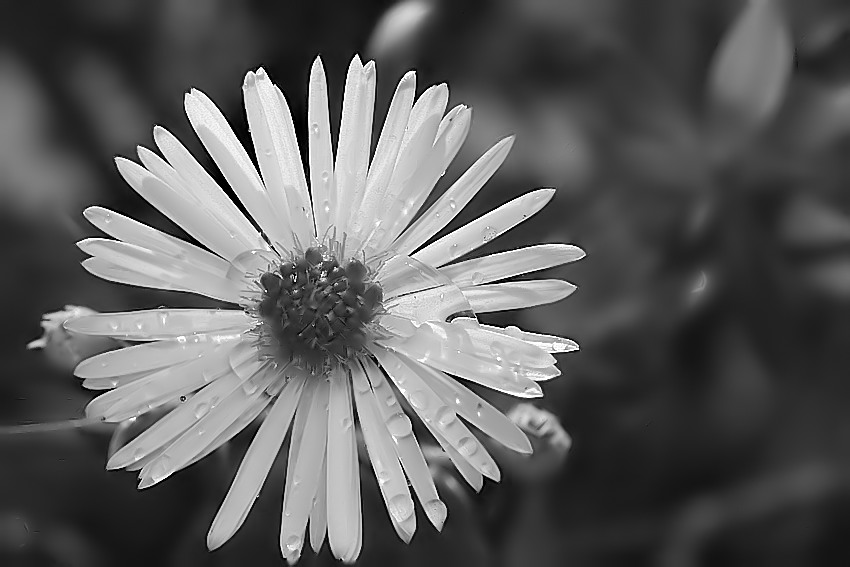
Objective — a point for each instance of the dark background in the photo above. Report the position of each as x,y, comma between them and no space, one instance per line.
710,421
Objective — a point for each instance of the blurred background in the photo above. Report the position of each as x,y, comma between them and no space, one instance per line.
699,150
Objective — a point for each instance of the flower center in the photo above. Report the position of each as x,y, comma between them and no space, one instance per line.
316,310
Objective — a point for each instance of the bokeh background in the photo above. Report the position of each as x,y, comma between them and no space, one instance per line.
700,152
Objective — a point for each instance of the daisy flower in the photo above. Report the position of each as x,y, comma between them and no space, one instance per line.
346,313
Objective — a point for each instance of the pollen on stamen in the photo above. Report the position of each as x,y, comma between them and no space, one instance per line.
315,311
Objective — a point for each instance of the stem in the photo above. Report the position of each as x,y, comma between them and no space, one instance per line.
51,426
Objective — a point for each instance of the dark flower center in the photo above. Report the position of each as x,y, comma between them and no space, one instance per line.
316,310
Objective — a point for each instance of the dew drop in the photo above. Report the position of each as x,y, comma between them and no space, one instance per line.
138,455
391,401
401,507
488,234
293,543
478,409
444,417
383,476
452,204
399,425
467,446
436,510
419,400
325,176
182,399
201,410
477,278
268,152
560,346
107,218
346,424
161,469
314,128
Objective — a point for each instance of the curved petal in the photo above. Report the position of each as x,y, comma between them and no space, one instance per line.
321,153
156,324
505,265
516,295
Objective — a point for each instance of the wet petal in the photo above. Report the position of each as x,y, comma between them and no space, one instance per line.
549,343
516,295
512,263
255,466
407,447
321,154
382,455
454,199
484,229
155,324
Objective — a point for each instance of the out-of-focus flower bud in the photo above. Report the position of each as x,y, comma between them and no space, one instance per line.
400,30
65,349
550,441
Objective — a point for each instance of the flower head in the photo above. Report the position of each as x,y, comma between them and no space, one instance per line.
343,315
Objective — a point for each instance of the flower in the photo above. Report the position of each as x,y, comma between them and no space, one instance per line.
340,306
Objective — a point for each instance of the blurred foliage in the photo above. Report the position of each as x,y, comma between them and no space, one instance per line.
699,148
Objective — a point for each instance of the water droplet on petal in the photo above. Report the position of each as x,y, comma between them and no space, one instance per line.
467,446
444,417
436,509
452,204
489,233
419,400
138,455
293,543
401,507
161,469
399,425
314,128
201,410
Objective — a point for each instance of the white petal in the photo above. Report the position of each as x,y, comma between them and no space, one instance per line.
114,382
277,150
386,153
319,513
454,199
321,154
154,324
483,229
173,271
431,408
464,467
407,447
255,466
503,348
382,455
228,153
549,343
305,459
401,210
160,387
148,356
351,157
418,292
184,449
184,210
364,131
512,263
516,295
111,272
473,408
198,181
133,232
442,346
343,469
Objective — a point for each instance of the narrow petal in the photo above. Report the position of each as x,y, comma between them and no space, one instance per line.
319,513
407,447
184,211
454,199
505,265
159,266
431,408
305,458
464,467
367,98
160,387
442,347
148,356
516,295
503,348
183,450
382,455
133,232
473,408
279,157
155,324
321,153
404,207
483,229
175,423
114,382
255,466
350,166
198,181
112,272
386,153
549,343
343,469
228,153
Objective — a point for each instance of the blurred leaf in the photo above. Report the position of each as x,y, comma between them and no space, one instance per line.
748,75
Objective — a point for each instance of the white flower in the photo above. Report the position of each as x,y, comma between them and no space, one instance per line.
339,307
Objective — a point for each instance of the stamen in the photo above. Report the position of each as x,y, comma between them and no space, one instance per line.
316,311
